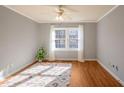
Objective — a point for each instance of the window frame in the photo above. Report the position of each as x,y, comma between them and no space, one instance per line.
66,39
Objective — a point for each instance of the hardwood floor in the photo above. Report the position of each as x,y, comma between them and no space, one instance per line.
91,74
86,74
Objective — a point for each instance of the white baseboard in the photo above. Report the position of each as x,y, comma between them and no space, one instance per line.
83,60
65,59
115,76
20,68
90,60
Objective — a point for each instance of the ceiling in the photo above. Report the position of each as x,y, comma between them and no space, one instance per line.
72,13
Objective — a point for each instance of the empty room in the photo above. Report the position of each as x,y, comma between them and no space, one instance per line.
61,46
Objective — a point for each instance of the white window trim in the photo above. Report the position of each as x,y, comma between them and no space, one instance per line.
66,40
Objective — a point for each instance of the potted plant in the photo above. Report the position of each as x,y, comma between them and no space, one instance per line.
41,54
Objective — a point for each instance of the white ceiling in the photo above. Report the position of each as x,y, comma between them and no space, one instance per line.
73,13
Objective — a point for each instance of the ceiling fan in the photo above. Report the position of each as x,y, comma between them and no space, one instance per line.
63,13
60,13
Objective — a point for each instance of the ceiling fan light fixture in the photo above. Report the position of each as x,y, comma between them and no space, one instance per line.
59,12
59,18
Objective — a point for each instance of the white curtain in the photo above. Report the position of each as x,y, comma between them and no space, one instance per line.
2,75
52,44
81,44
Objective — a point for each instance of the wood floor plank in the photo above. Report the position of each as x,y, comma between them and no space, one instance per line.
86,74
90,74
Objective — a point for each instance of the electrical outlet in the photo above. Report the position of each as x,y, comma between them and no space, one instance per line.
116,67
113,66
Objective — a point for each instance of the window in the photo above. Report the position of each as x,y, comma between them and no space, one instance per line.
66,38
73,38
59,38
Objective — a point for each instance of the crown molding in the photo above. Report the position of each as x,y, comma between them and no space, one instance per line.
21,13
82,21
108,12
86,21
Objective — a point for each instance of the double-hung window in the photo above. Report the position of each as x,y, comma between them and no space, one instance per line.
66,38
60,36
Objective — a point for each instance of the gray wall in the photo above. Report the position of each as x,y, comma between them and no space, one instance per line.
20,37
18,40
89,40
110,41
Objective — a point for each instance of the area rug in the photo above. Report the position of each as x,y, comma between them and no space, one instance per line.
42,75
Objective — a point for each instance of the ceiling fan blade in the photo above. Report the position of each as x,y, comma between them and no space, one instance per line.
69,9
67,17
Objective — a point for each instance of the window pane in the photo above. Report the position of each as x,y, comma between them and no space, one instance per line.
73,43
60,43
73,38
73,33
60,33
70,38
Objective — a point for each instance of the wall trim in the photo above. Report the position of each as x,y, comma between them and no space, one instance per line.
20,69
17,71
115,76
90,59
66,59
63,59
31,18
83,21
108,13
83,60
21,13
